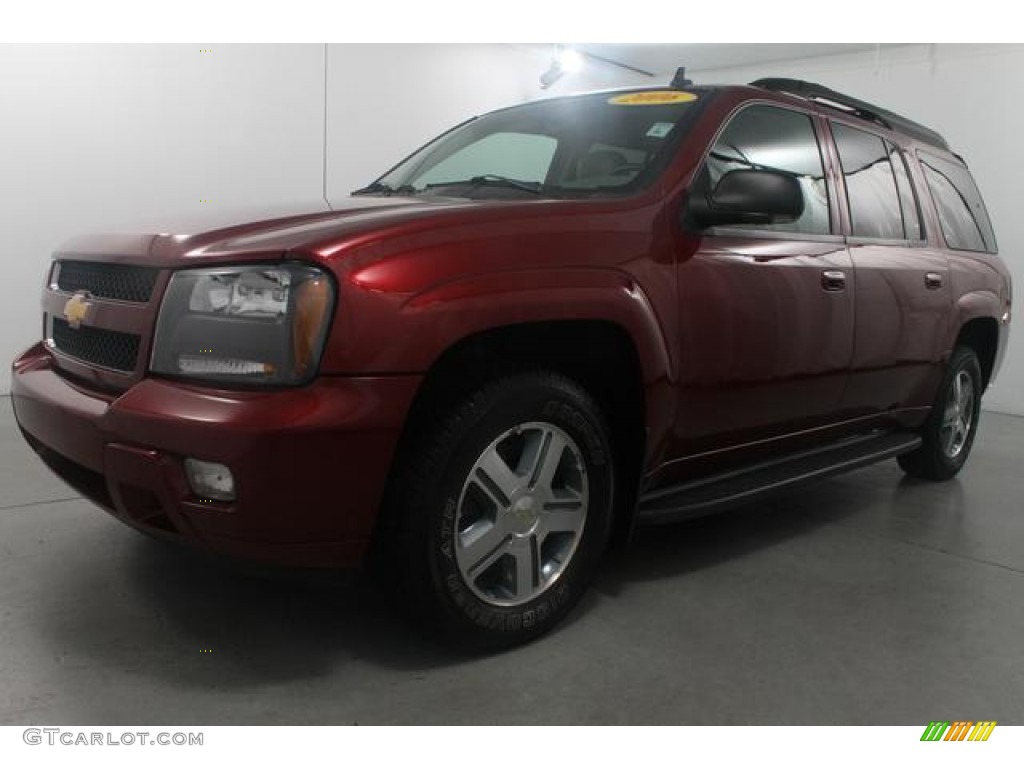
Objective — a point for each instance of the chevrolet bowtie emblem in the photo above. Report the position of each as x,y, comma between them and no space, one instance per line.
77,308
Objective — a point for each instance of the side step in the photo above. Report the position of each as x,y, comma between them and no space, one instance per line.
718,492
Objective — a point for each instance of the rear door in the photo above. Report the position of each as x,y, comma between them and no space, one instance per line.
903,294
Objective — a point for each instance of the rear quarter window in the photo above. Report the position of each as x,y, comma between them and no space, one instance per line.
962,215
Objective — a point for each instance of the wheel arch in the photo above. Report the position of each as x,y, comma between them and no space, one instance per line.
978,328
600,355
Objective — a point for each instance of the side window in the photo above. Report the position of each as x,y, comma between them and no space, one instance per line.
962,216
870,184
777,139
908,200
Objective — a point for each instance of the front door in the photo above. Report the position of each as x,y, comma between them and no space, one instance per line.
766,313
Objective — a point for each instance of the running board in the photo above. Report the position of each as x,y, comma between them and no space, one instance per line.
729,489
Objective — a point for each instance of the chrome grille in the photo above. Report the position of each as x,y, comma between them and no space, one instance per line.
107,281
96,346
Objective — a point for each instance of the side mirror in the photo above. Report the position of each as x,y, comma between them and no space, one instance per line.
749,196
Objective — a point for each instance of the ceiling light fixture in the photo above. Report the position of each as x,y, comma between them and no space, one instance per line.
570,60
566,61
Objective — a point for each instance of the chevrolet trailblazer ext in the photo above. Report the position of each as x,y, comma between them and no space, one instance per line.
552,323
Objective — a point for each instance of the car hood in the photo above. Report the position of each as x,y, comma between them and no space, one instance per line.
251,234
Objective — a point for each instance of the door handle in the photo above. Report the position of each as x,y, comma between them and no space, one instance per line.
933,281
833,280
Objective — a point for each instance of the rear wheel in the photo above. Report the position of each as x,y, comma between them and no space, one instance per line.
948,435
501,512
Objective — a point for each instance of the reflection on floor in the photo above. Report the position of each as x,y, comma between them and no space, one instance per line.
865,599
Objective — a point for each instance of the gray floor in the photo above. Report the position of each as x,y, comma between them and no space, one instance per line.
869,599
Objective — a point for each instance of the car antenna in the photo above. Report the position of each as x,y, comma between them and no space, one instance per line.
680,80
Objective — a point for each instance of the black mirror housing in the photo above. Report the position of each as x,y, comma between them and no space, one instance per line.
749,196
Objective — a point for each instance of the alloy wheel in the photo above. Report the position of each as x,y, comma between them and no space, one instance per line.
958,416
521,514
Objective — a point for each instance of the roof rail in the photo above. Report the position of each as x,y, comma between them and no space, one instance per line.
850,105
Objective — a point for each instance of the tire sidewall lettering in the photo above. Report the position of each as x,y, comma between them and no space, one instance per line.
571,417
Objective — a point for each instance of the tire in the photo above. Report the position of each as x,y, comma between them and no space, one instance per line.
948,434
492,540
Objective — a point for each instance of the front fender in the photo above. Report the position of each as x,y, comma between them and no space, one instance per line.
408,333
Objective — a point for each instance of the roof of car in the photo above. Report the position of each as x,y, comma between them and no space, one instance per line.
819,95
849,105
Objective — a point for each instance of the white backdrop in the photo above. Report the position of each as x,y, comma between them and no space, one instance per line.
100,138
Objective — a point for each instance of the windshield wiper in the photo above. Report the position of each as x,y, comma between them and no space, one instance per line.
492,179
383,188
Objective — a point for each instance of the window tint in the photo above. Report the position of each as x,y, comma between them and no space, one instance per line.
781,140
908,200
524,156
962,216
870,184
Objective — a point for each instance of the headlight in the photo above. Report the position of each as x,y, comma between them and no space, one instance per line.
259,324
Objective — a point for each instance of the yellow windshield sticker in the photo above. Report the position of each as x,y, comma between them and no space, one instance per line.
644,98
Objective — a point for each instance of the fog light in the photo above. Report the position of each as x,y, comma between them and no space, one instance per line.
209,480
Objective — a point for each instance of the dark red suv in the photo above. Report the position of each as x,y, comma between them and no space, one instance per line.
552,323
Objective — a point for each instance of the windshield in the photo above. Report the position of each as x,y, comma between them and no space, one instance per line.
594,145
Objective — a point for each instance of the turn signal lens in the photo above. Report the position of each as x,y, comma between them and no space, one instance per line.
312,303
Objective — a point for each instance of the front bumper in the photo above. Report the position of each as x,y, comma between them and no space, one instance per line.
310,464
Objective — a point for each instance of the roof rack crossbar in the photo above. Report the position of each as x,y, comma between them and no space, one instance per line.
861,109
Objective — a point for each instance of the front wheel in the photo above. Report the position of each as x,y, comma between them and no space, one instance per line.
504,511
948,434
